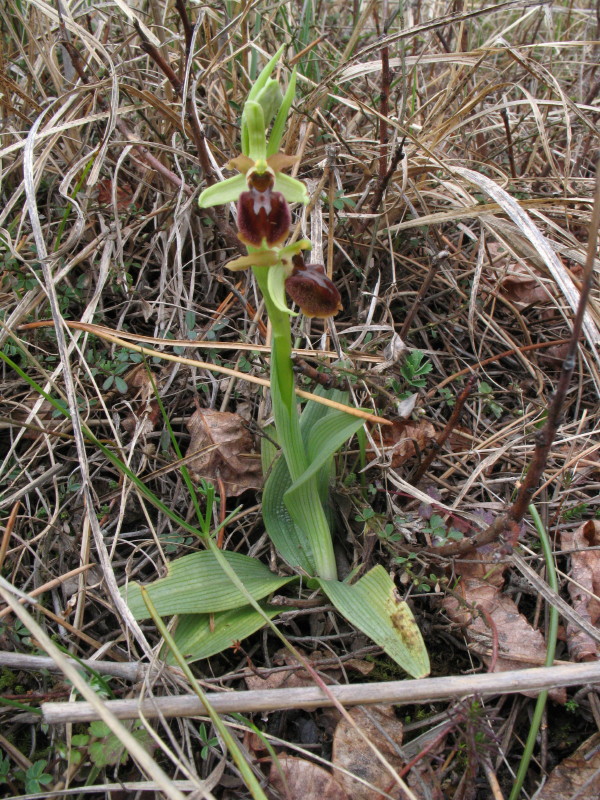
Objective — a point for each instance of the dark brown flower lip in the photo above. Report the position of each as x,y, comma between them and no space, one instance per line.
311,289
263,215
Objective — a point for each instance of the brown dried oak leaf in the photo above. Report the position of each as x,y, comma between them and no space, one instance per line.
402,440
492,620
576,776
585,571
224,450
352,753
299,779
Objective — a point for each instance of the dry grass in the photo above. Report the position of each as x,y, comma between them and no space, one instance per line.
475,249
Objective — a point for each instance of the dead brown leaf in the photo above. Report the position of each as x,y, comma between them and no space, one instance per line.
351,752
523,288
585,591
124,194
493,624
298,779
403,439
578,776
225,450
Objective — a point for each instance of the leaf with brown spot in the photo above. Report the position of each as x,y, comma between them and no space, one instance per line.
298,779
585,571
224,450
352,753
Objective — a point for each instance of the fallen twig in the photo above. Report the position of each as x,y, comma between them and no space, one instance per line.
425,690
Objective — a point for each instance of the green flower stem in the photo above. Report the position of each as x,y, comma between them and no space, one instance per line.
287,422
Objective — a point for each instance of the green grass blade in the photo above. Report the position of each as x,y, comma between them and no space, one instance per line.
232,745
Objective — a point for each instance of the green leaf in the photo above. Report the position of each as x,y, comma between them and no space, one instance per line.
373,606
289,511
108,751
226,191
121,385
322,441
290,541
200,636
196,584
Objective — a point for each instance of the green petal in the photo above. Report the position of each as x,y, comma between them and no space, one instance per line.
266,258
293,190
253,120
226,191
276,282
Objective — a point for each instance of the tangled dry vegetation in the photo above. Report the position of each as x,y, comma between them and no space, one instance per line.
449,153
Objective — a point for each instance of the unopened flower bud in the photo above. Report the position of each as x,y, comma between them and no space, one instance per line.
311,289
270,98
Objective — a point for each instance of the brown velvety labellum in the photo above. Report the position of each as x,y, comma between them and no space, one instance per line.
263,214
311,289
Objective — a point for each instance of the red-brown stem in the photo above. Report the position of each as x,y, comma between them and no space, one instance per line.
187,26
509,143
435,264
489,621
428,748
448,428
384,111
10,524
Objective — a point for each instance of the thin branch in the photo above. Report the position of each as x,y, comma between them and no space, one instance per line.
449,427
425,690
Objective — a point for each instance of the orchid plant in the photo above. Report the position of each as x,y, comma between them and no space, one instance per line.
216,593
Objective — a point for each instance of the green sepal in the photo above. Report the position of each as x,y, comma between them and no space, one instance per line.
292,189
253,121
276,281
227,191
280,120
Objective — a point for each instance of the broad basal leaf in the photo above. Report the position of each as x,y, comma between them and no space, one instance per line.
373,606
290,511
202,635
291,542
196,584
